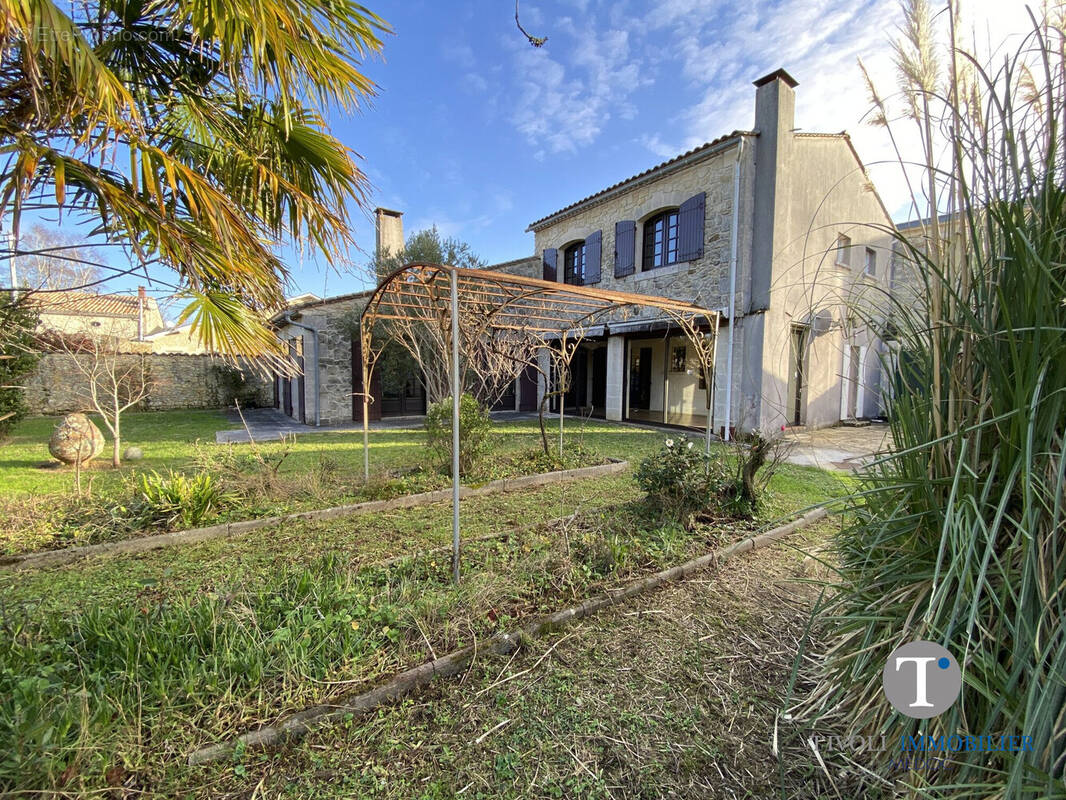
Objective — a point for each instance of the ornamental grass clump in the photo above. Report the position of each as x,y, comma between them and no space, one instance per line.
959,536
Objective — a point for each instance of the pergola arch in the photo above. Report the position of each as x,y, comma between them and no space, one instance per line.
497,315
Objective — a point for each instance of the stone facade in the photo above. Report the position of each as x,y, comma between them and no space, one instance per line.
793,346
327,325
776,202
702,281
57,386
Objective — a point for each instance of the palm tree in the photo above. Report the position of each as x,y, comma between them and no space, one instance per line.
192,132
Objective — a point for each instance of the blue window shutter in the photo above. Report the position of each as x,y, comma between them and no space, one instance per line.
551,264
690,228
625,248
593,249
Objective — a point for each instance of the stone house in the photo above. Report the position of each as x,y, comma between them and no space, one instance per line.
780,231
323,340
121,317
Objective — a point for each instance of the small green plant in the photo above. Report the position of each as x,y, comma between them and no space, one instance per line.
681,480
474,424
176,500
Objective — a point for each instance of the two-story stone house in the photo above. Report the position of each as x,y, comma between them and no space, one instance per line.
778,229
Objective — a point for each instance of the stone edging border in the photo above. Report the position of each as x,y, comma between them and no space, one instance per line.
303,722
55,558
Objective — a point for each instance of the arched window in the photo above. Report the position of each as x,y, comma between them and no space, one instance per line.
574,264
660,240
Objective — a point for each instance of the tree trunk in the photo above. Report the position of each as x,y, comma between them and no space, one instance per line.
540,418
116,461
760,447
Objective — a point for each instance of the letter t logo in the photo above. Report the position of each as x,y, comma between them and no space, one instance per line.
920,668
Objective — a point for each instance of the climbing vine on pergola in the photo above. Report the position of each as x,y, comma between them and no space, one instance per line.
495,319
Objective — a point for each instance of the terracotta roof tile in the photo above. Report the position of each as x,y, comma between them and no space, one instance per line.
117,305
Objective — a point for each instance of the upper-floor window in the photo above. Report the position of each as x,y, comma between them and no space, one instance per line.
843,248
574,258
871,262
660,240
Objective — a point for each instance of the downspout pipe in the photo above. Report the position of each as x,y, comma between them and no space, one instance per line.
288,319
734,234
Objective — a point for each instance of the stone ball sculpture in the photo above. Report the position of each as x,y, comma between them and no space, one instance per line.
76,439
133,454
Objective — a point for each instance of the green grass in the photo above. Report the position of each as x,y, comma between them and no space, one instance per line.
128,663
673,695
168,439
316,471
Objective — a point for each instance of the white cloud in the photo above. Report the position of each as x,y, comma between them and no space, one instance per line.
568,94
722,47
459,53
474,83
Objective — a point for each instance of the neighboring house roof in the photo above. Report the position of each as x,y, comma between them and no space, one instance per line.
507,266
88,304
683,160
303,304
301,299
919,223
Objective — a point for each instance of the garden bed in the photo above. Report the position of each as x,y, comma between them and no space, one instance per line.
129,688
145,543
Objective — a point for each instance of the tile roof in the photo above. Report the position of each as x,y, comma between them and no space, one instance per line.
648,173
87,303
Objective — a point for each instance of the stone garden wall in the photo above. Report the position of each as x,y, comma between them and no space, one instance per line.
57,386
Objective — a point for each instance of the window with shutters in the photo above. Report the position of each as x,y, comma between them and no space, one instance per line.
660,240
574,264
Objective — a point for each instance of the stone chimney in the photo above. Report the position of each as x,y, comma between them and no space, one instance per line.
389,226
142,301
775,103
775,114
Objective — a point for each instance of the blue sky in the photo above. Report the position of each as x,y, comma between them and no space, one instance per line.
479,133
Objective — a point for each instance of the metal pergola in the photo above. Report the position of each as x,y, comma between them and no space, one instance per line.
512,317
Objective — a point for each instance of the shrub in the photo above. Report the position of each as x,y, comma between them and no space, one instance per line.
956,536
681,479
176,500
236,386
17,357
474,424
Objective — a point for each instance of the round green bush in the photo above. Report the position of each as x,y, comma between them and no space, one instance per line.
681,479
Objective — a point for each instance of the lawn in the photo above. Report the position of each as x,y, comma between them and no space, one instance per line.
112,670
39,510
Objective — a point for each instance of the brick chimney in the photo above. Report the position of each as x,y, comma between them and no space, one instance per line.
389,226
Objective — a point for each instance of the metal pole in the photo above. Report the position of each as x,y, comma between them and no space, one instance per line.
562,404
363,356
455,427
711,380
